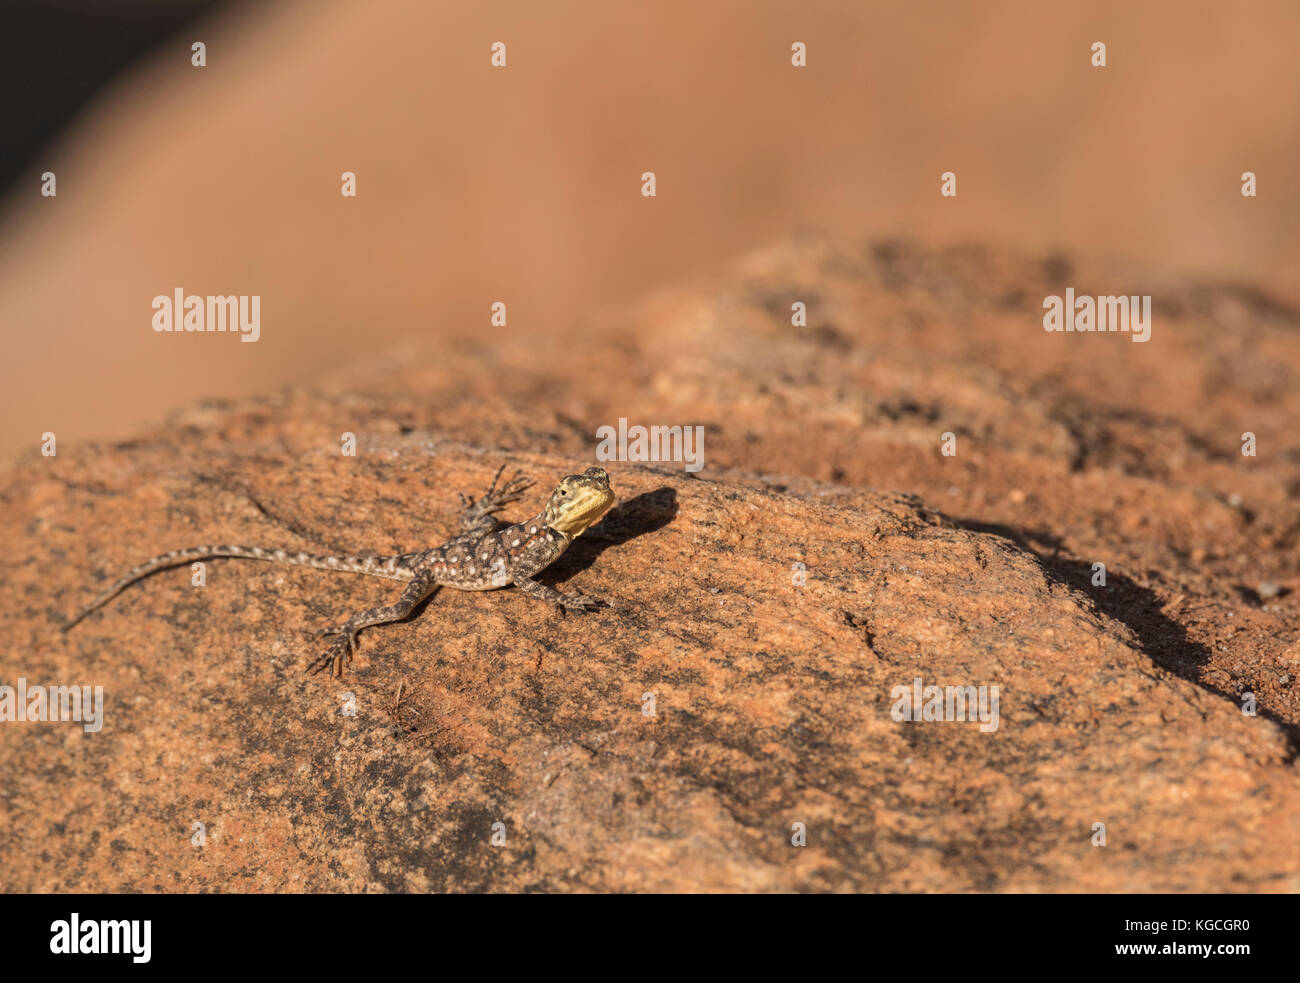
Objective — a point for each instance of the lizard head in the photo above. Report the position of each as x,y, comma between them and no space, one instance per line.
578,501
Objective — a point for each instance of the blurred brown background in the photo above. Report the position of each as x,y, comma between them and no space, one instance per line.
522,185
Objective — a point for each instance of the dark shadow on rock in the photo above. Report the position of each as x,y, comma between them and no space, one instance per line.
1254,598
1163,640
638,516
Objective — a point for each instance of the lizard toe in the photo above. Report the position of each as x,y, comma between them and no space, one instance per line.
319,663
512,490
339,652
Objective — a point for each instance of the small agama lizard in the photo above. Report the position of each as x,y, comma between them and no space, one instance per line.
487,554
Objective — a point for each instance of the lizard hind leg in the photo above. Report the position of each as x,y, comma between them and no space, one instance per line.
343,647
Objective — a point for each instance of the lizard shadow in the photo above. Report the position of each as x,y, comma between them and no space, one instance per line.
646,513
1163,640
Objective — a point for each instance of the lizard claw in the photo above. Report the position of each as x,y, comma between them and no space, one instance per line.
495,499
337,655
579,602
492,487
343,631
514,488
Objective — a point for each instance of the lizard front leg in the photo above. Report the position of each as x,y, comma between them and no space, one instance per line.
570,602
478,515
342,648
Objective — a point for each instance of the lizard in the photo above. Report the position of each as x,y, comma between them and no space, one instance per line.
487,554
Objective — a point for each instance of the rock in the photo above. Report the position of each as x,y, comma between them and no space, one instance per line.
719,708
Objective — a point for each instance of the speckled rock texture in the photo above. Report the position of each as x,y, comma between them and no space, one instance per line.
491,744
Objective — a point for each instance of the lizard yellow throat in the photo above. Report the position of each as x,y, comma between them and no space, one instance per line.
579,501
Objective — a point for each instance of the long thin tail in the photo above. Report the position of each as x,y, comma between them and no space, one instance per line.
396,567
